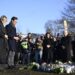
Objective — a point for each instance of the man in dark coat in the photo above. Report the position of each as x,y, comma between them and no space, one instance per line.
3,40
12,39
73,47
66,48
48,49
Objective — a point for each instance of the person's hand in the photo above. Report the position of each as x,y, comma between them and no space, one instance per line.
63,47
6,36
16,38
48,46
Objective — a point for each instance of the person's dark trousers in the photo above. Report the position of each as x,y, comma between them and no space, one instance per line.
32,56
69,57
73,47
26,57
11,58
50,56
38,56
3,58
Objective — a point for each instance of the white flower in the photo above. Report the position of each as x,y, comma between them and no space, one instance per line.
60,62
38,66
68,69
49,65
61,70
43,66
33,63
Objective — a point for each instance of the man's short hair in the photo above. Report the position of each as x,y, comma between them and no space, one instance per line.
14,18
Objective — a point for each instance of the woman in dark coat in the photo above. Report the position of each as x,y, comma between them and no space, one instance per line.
48,48
66,46
3,40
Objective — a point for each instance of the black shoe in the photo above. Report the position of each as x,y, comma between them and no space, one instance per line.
10,67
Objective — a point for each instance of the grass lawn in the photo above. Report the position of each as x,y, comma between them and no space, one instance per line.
26,72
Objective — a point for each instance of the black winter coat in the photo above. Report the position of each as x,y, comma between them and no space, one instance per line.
3,41
48,52
11,32
3,45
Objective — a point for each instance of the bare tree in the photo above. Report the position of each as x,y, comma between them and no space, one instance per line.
49,26
54,27
69,15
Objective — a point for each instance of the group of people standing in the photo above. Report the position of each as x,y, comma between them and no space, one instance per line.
45,48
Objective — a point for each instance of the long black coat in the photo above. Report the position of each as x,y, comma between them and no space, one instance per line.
66,51
11,32
48,52
73,47
3,44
